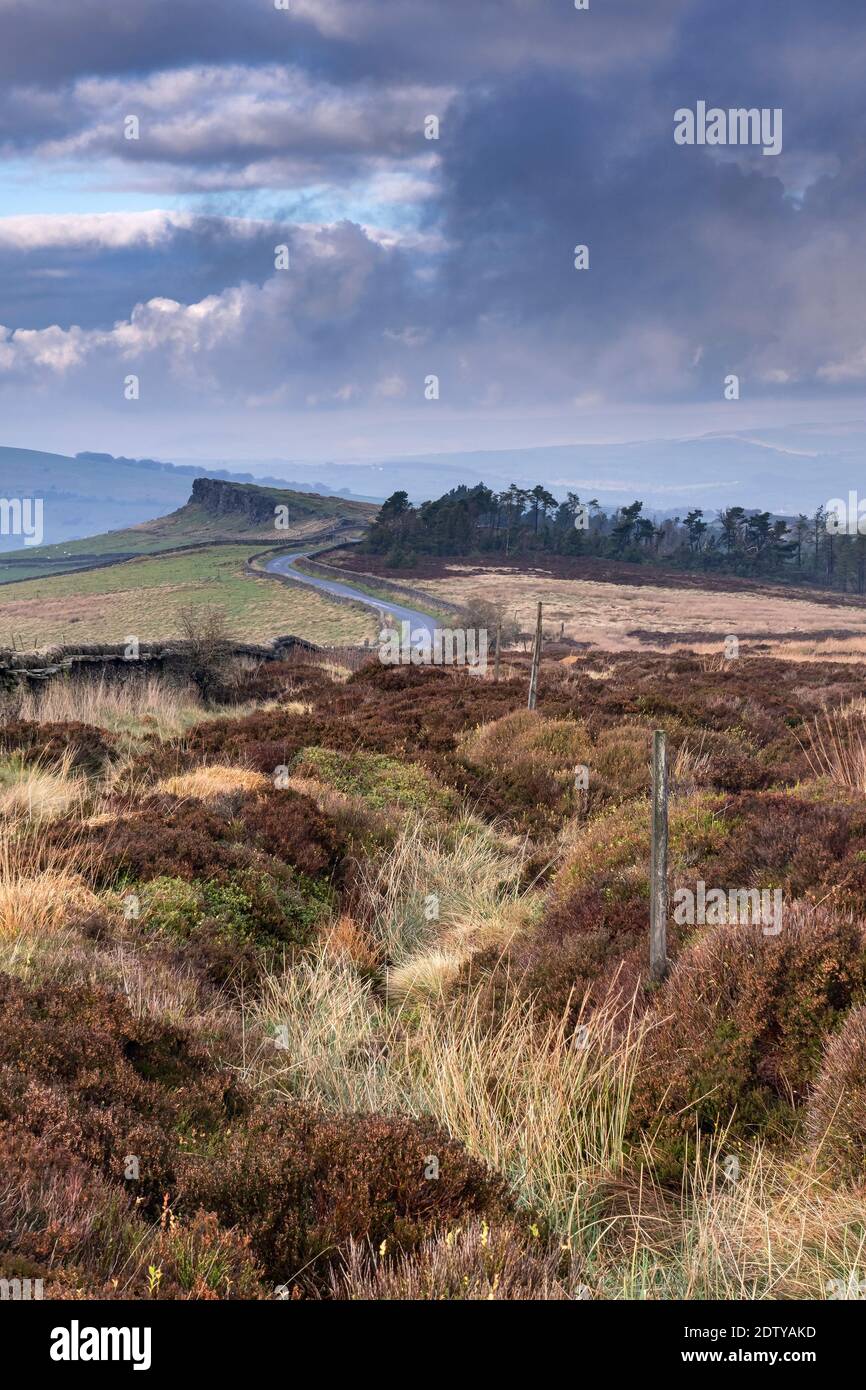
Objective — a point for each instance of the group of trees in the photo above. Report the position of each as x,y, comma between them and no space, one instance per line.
474,520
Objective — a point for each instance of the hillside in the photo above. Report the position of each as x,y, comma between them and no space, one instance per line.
92,493
216,511
134,580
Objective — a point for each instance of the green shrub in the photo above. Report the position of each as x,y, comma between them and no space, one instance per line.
381,781
249,905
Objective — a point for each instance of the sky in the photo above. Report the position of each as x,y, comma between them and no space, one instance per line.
255,127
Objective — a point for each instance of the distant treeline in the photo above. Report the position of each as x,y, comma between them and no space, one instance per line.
517,521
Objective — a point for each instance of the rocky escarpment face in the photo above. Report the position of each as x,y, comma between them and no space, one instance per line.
223,498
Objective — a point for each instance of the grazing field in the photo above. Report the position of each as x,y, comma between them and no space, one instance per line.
140,597
338,988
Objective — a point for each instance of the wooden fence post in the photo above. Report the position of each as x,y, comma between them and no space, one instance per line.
536,660
659,865
498,644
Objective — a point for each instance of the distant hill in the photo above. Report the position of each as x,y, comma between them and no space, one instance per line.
95,493
217,511
783,470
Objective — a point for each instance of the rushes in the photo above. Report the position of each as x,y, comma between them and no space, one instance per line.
837,747
37,901
318,1029
775,1229
32,792
544,1106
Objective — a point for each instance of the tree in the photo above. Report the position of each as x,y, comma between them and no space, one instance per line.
731,521
542,503
801,531
204,627
696,528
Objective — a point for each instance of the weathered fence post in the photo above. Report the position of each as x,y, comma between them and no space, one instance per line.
536,659
659,865
498,644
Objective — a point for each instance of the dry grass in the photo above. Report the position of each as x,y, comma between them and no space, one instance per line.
314,1034
624,617
39,901
545,1106
152,702
31,792
742,1228
213,782
837,746
438,896
346,940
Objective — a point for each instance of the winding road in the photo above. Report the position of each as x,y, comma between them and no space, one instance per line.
285,565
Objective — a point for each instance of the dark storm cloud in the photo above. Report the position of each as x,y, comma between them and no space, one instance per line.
556,130
439,40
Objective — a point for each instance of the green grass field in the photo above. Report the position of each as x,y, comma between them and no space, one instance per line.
142,597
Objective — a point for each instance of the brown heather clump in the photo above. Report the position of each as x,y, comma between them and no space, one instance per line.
94,1083
478,1263
836,1117
808,847
75,746
193,839
303,1185
736,1033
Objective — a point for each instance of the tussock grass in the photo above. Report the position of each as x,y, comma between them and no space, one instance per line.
213,782
316,1034
436,884
33,792
163,707
544,1105
837,746
35,903
749,1227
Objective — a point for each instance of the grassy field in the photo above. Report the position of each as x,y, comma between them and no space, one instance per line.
621,617
141,598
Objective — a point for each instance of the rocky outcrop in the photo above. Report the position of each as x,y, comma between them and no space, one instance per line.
256,506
